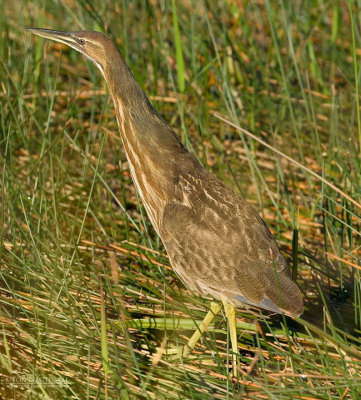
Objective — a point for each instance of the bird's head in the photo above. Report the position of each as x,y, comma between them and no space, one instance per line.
93,45
103,52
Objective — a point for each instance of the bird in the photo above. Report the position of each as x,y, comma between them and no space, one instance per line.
217,243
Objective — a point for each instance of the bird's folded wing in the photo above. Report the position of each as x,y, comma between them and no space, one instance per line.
228,255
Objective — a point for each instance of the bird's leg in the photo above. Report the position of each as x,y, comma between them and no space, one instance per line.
188,348
230,311
215,309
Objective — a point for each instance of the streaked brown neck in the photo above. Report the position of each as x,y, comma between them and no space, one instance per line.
123,86
152,148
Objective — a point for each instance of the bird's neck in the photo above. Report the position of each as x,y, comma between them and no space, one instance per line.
152,148
125,89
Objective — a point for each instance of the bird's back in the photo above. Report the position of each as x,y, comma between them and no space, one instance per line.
218,244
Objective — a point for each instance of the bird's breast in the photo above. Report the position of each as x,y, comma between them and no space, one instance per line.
145,171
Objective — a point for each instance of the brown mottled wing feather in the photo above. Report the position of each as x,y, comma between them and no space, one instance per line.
218,244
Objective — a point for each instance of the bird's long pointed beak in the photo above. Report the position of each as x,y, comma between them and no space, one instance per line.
59,36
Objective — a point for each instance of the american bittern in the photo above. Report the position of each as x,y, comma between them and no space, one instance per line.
216,242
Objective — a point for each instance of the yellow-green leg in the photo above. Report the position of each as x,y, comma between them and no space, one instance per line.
230,311
215,309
